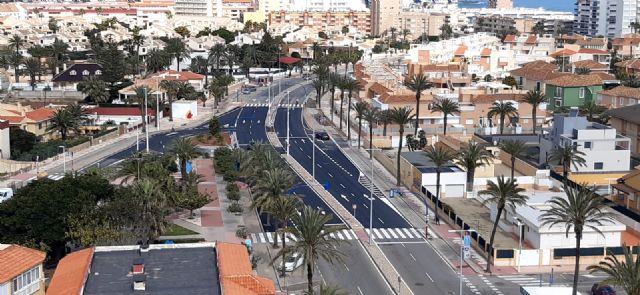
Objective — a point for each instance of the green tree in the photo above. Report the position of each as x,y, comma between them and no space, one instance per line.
21,141
113,64
371,115
184,149
361,109
514,148
582,71
384,118
191,200
284,208
271,185
582,208
624,273
33,67
471,157
446,32
322,35
538,28
314,240
352,86
504,193
447,107
157,60
16,42
151,204
402,117
511,81
94,89
53,25
216,55
417,84
318,85
176,48
214,126
440,157
171,88
183,31
594,112
65,120
345,30
502,110
567,156
534,98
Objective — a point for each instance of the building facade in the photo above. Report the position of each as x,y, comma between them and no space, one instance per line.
572,90
327,21
627,122
207,8
609,18
21,271
384,14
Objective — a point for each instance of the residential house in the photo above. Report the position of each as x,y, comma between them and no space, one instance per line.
619,97
630,66
203,43
628,45
198,268
572,90
76,74
591,65
626,191
35,121
5,143
626,119
130,116
419,171
532,76
21,270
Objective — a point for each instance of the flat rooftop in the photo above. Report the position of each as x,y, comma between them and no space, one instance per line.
188,271
424,164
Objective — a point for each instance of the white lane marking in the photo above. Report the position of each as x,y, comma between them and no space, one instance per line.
381,220
393,234
261,235
412,257
269,237
319,166
400,233
428,276
406,231
345,266
414,231
365,205
377,234
346,234
339,235
384,232
342,185
359,290
344,197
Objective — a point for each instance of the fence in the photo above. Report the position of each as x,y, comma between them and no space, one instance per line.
53,94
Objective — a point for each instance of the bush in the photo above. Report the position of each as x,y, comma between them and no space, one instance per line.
232,187
233,196
235,208
242,232
231,175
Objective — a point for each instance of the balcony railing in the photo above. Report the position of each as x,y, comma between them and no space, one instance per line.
30,289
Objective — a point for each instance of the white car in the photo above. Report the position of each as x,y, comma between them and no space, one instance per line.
292,262
5,194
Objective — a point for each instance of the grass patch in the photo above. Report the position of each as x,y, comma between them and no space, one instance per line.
176,230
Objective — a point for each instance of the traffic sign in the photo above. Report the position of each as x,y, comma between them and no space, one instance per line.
467,252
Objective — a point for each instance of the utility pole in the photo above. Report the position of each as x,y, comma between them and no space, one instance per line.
146,119
288,122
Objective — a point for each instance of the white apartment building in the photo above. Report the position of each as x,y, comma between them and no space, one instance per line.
609,18
328,5
208,8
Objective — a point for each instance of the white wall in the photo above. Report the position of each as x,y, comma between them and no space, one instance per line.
180,109
5,144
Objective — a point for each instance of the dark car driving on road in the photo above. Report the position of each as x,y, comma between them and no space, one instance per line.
601,289
322,136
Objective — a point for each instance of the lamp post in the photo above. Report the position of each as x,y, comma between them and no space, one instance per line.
354,206
288,121
44,90
371,200
462,235
519,242
146,118
313,154
64,159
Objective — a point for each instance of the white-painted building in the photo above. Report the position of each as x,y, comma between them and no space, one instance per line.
184,109
452,178
609,18
5,142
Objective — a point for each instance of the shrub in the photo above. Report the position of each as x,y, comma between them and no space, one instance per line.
232,187
233,196
242,232
235,208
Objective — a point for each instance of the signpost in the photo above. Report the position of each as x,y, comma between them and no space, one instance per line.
467,245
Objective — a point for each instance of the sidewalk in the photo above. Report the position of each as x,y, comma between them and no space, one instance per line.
410,205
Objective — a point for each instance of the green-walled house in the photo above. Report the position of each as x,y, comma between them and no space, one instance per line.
572,90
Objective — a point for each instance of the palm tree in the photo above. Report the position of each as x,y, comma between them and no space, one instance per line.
361,108
157,60
200,65
582,208
272,184
64,120
16,42
184,149
514,148
314,240
33,67
471,157
216,54
418,83
282,209
582,71
534,98
95,89
447,107
334,81
342,84
623,273
150,203
503,193
171,88
352,85
503,110
402,117
440,157
592,110
567,156
371,116
330,290
384,118
318,85
177,49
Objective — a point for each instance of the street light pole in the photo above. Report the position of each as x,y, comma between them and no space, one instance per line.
146,118
370,203
157,112
519,243
64,159
313,154
288,121
462,234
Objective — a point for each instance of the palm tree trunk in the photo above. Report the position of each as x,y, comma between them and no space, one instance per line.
445,124
415,132
309,278
275,233
16,72
502,124
341,108
493,234
359,130
513,165
349,119
470,174
398,159
332,102
437,195
533,115
565,172
384,129
177,63
576,270
183,168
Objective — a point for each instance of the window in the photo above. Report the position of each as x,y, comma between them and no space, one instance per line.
581,92
27,282
98,72
559,102
85,73
72,73
587,144
538,86
622,101
598,165
558,91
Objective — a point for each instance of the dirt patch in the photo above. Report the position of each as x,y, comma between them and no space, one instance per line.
207,139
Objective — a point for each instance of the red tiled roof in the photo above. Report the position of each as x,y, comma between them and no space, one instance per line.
593,51
605,76
119,111
71,273
15,259
622,91
236,274
537,71
461,50
532,39
40,114
575,80
510,38
491,98
12,119
589,64
485,52
563,52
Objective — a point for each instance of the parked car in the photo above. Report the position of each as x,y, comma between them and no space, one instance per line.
245,91
306,76
5,194
602,289
292,262
322,136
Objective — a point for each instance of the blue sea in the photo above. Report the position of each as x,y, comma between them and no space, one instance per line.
557,5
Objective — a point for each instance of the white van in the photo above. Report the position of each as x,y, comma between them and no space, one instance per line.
5,194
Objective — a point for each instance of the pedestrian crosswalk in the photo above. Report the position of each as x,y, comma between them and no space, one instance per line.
291,105
257,105
379,235
524,280
55,176
367,184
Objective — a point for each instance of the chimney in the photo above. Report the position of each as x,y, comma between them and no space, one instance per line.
138,266
139,282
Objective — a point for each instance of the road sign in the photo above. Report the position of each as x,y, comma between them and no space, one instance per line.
466,252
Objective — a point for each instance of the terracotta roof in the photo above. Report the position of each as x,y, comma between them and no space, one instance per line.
626,40
605,76
628,113
119,111
71,273
509,38
8,7
12,119
589,64
622,91
236,274
15,259
575,80
40,114
585,41
537,71
532,39
440,68
485,52
460,50
631,63
563,52
593,51
491,98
